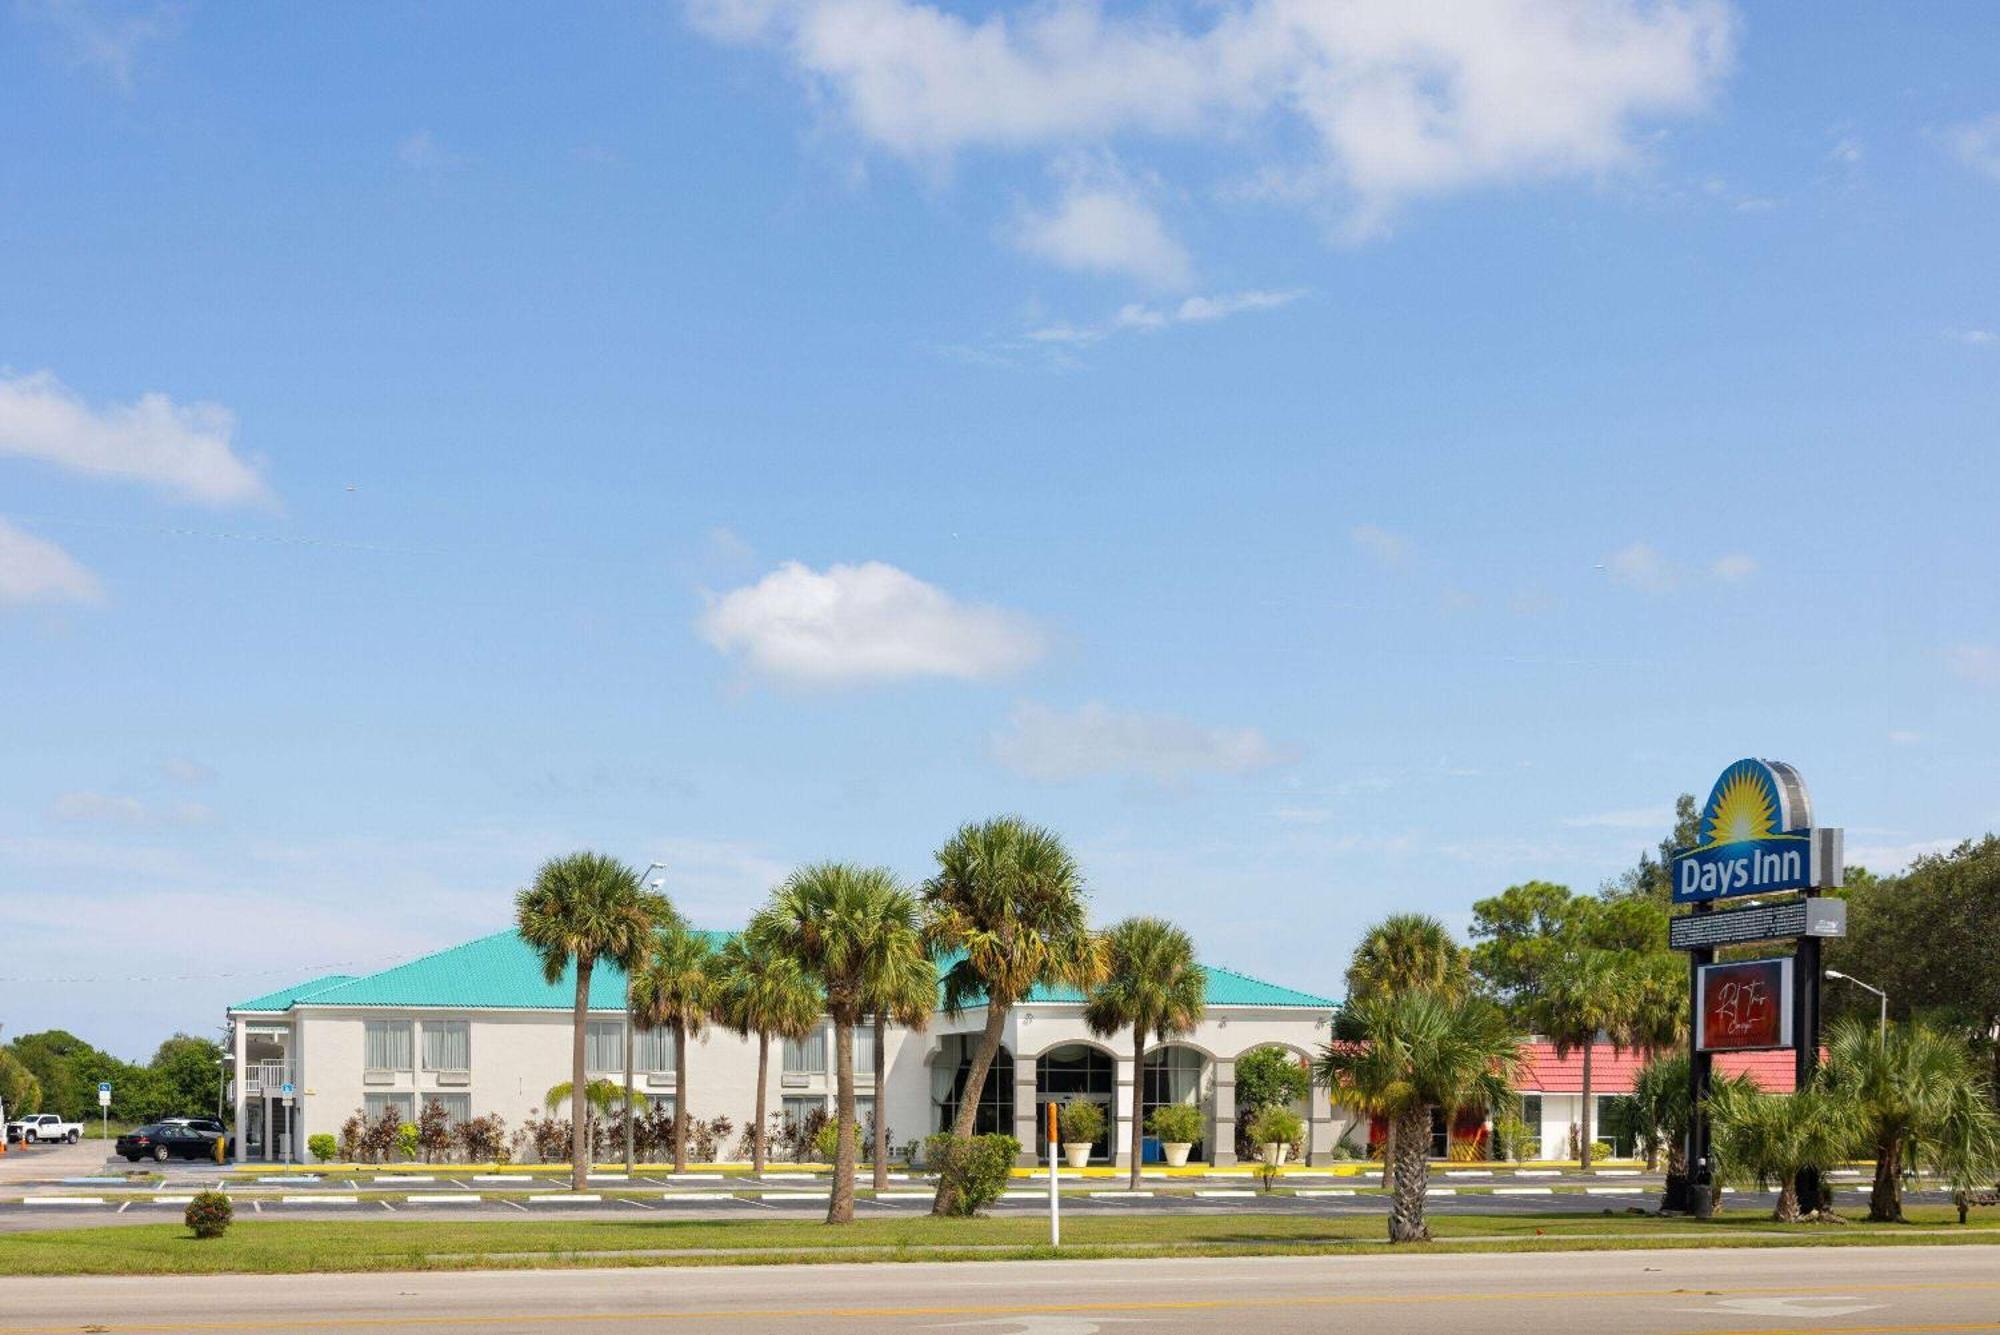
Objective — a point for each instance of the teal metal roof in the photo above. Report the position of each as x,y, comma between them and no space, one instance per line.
283,998
503,972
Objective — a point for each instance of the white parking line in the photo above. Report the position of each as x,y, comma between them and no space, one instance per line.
1469,1172
1228,1191
399,1179
1524,1191
319,1200
442,1198
62,1200
1537,1172
792,1195
1120,1195
1440,1191
1615,1172
173,1200
1326,1191
1614,1191
566,1198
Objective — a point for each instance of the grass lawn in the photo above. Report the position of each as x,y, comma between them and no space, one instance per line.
270,1247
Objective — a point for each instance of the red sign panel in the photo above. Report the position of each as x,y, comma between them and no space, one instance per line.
1744,1006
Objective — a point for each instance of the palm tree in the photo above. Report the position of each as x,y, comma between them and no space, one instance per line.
1916,1095
1584,994
1657,1110
859,933
675,988
581,909
1406,952
763,991
1776,1137
1153,985
599,1098
1009,901
1412,1053
898,993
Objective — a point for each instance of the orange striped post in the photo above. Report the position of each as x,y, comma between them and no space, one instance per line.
1055,1192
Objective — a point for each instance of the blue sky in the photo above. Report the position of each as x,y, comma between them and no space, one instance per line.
1324,460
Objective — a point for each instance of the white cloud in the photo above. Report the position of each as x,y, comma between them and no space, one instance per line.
90,38
1106,228
1977,663
1734,568
91,808
1641,567
185,450
34,571
1889,859
1050,744
1629,818
1976,338
1977,144
1386,548
859,623
1365,105
1139,317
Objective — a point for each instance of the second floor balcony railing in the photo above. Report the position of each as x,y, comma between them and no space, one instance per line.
267,1077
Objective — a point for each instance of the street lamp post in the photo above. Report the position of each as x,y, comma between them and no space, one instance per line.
652,883
1867,987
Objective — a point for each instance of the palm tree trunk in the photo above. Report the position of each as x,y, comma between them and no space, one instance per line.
628,1074
881,1128
1389,1152
579,1121
1583,1147
840,1204
975,1085
1406,1204
1788,1201
680,1098
763,1097
1885,1200
1138,1102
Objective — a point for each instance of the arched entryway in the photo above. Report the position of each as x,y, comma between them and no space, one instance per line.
950,1069
1076,1071
1175,1073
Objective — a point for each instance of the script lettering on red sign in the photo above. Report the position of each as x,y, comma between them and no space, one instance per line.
1744,1006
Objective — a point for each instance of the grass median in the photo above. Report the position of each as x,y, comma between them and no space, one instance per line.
282,1247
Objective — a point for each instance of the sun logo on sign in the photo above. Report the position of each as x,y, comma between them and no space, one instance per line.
1742,810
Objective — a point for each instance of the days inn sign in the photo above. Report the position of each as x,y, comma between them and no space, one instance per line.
1757,838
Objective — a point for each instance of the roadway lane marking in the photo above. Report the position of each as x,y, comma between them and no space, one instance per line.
1038,1309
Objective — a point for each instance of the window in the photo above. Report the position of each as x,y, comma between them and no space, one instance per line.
386,1045
949,1073
806,1056
1614,1125
797,1108
457,1107
604,1047
372,1106
655,1051
864,1049
1531,1118
447,1045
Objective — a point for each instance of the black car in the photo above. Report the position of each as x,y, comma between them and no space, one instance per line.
162,1141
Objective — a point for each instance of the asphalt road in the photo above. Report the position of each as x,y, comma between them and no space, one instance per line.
1881,1290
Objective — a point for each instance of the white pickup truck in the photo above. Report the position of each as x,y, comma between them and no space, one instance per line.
46,1127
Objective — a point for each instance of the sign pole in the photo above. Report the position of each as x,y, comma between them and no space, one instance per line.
1805,1005
1055,1194
1699,1188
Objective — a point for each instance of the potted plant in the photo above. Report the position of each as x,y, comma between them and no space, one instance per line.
1177,1126
1082,1122
1273,1130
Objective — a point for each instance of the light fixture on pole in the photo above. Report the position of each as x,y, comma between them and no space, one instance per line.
1867,987
652,882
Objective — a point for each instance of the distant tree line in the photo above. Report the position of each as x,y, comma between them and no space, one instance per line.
55,1071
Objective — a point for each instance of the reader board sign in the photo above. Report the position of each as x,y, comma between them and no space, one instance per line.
1768,922
1744,1006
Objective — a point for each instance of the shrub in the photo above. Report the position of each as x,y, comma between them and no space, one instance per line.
434,1131
353,1134
379,1140
825,1147
1275,1124
1176,1124
794,1137
1601,1149
406,1140
706,1139
481,1139
323,1146
209,1214
549,1137
974,1169
1082,1122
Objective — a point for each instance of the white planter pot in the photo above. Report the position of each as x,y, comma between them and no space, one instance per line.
1275,1153
1078,1155
1176,1153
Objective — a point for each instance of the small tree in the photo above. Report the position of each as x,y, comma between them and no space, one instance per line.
1772,1138
1278,1126
434,1131
1175,1123
408,1137
323,1147
1269,1074
976,1168
1917,1099
1081,1122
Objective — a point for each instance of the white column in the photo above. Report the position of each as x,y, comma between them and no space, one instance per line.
1319,1124
1124,1107
1026,1114
1222,1149
242,1085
